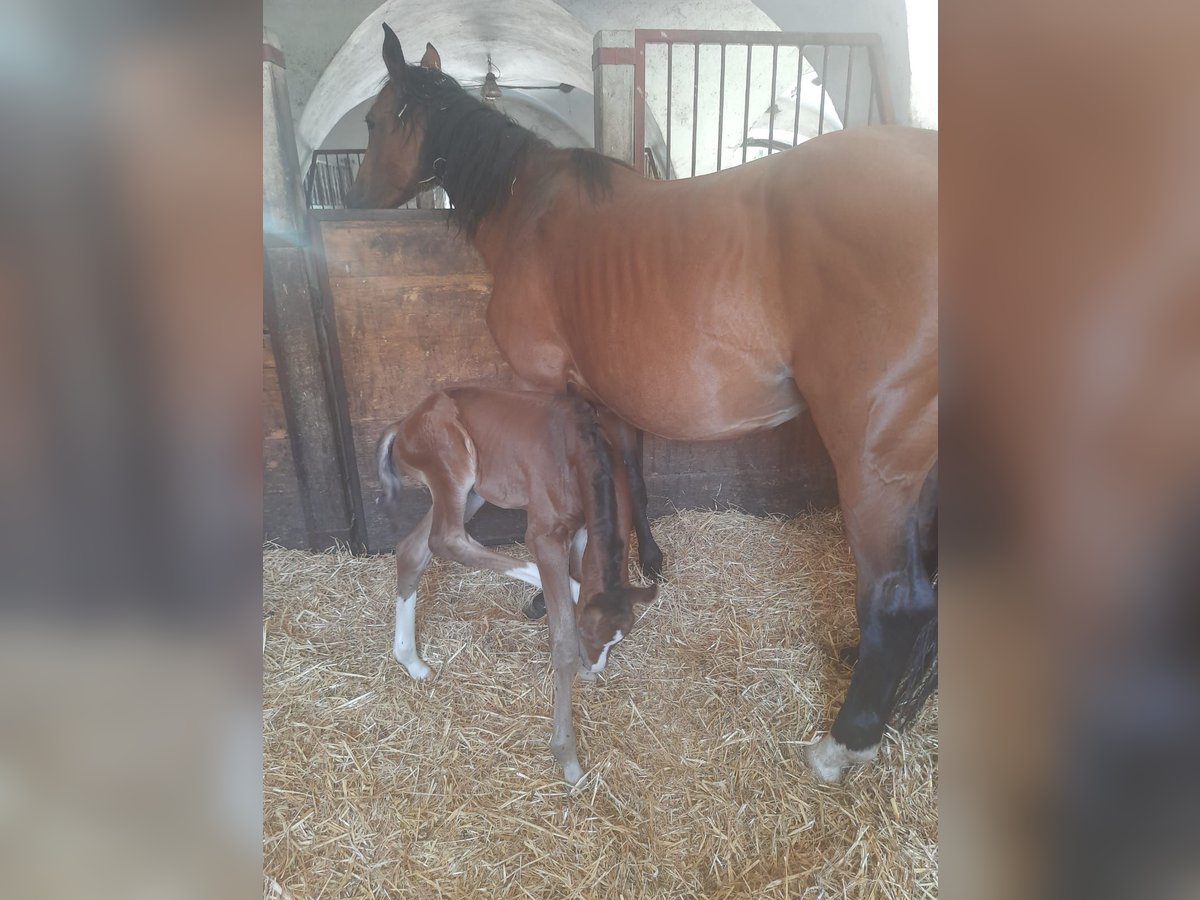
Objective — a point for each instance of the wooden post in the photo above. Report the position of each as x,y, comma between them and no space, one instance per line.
612,85
323,465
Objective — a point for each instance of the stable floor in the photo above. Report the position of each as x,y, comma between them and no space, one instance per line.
379,786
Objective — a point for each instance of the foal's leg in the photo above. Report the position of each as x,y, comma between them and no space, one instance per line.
627,440
412,557
537,606
897,620
550,550
449,540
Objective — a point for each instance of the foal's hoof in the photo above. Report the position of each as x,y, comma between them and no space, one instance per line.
651,563
572,774
537,606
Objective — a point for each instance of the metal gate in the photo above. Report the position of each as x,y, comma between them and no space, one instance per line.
708,100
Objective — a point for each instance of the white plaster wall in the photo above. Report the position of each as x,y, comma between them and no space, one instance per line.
333,52
923,53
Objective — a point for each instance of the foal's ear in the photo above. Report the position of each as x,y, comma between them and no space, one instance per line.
393,56
431,60
643,594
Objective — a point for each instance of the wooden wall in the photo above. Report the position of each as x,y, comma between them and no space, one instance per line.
403,303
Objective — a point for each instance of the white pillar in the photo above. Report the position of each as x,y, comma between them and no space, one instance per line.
612,80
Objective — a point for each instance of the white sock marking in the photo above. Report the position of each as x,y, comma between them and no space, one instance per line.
828,757
404,647
600,663
528,572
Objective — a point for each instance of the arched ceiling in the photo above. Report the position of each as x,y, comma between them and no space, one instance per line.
530,41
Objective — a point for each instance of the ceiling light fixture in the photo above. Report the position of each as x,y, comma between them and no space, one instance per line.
490,91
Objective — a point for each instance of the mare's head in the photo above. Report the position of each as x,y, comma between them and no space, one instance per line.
606,618
397,164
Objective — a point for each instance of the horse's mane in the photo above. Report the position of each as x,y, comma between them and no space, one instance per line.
482,148
601,482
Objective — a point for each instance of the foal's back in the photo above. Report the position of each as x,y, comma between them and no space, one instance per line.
523,446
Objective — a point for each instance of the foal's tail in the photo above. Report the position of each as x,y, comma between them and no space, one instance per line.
389,478
920,674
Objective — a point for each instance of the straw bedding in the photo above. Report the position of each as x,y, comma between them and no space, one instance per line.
379,786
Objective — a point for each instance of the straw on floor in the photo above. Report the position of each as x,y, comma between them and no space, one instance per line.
379,786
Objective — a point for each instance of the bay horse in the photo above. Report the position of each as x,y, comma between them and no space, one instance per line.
707,308
547,454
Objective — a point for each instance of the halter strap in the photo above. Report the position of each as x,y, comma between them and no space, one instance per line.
436,174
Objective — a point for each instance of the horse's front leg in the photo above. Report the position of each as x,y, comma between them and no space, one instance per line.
550,549
896,666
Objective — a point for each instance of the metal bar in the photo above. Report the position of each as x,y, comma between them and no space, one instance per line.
764,38
821,79
849,76
695,101
346,179
669,157
771,111
871,97
799,82
639,95
721,111
746,117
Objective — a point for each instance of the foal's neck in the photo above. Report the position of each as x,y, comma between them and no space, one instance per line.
604,559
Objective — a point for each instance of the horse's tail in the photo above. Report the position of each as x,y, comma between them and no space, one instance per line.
389,478
920,674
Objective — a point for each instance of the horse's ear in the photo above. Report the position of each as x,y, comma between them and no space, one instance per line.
431,60
393,56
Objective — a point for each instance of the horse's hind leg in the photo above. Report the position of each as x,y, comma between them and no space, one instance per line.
412,556
897,618
449,538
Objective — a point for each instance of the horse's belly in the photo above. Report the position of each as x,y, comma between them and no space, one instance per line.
685,408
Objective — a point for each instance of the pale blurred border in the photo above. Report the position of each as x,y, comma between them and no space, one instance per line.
130,375
130,359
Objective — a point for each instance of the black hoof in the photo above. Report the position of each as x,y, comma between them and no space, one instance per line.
537,606
651,563
849,655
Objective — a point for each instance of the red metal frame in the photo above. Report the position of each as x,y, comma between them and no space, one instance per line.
880,92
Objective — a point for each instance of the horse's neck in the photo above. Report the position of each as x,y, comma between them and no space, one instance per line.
503,229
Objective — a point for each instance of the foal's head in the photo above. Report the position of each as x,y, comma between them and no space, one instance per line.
607,618
396,165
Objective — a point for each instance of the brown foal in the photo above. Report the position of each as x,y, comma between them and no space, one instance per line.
549,455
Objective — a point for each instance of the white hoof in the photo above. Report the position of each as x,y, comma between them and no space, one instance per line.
827,758
415,667
572,774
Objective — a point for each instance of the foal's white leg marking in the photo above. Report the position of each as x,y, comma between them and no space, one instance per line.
530,575
528,572
404,647
578,544
602,661
827,757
